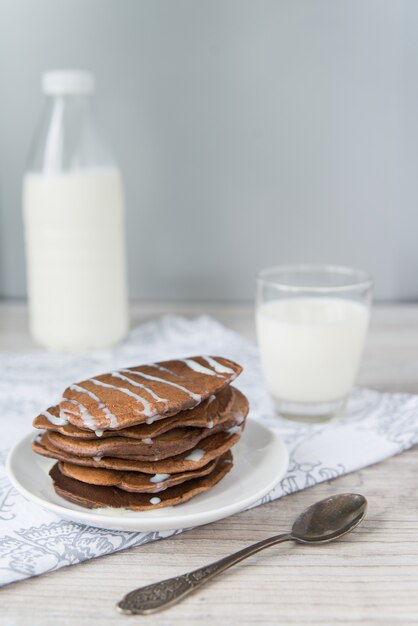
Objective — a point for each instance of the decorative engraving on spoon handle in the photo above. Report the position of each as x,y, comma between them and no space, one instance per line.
165,593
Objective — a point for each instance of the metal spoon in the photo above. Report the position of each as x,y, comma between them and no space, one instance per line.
324,521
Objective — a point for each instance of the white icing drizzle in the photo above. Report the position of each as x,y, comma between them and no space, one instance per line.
235,430
164,369
37,438
113,422
87,419
155,500
136,384
195,455
57,421
65,412
197,367
97,458
218,367
211,399
210,424
150,420
98,433
159,478
147,410
147,440
239,418
227,461
195,396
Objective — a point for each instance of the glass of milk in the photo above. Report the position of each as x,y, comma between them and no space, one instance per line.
311,324
74,219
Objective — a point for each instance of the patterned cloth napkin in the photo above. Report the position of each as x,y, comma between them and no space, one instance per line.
33,541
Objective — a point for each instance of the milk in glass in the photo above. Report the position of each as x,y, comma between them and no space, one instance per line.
311,347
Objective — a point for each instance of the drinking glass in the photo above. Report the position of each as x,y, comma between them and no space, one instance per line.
312,323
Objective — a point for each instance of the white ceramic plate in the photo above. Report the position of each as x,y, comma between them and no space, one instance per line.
260,461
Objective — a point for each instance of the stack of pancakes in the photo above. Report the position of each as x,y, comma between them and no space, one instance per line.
144,437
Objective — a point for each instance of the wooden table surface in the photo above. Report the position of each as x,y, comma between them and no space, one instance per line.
369,577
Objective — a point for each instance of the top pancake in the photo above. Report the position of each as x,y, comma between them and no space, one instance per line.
142,394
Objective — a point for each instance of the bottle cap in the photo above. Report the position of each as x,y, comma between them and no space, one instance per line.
61,82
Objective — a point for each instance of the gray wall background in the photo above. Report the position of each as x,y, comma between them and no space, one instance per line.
249,132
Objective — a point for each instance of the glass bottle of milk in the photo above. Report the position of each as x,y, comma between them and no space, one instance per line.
73,210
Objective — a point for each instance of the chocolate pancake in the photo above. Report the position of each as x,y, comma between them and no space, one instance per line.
207,450
228,402
168,444
95,496
135,482
145,393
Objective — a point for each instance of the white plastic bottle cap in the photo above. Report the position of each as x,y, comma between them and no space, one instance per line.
60,82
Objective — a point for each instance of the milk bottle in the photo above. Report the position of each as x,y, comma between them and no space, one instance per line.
73,210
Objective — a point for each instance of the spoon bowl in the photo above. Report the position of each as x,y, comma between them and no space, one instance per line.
329,519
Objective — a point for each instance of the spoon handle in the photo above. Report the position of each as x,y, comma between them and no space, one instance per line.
158,596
